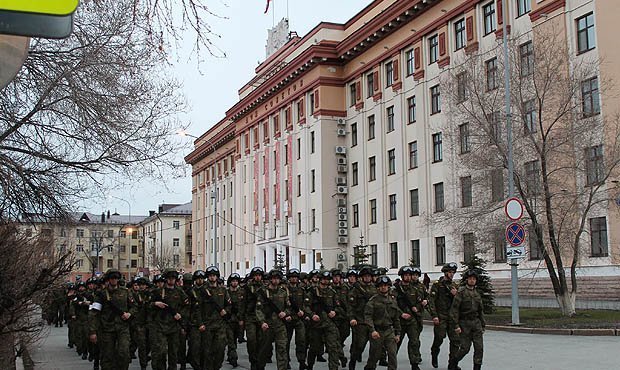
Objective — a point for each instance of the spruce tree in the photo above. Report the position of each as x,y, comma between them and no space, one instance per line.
484,285
360,256
280,264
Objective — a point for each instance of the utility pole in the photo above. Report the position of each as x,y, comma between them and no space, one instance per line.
514,262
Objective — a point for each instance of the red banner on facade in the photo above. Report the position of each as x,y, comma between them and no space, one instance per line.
289,169
266,184
276,196
256,165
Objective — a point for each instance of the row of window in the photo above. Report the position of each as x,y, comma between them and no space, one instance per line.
598,246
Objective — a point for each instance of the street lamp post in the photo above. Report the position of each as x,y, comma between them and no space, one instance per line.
119,232
215,196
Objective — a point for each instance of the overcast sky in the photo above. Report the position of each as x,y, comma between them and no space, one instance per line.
211,86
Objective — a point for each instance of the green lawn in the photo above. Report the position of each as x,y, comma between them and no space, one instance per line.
552,318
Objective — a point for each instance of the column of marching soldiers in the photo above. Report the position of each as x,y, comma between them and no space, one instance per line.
199,318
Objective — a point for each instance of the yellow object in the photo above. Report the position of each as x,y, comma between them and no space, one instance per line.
51,7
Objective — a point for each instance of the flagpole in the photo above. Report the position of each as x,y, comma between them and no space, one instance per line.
273,13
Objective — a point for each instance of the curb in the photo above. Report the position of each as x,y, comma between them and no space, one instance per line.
549,331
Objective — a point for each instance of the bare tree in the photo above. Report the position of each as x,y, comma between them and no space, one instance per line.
565,152
30,270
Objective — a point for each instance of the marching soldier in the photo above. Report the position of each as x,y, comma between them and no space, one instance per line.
468,317
441,296
197,338
215,312
272,310
382,316
341,321
78,313
359,295
412,299
168,305
108,321
138,323
233,332
248,314
297,295
184,334
323,308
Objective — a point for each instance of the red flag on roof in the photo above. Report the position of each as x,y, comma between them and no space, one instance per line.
267,7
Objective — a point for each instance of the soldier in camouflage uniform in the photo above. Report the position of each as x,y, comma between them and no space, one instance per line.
248,314
272,311
187,280
468,317
233,332
197,337
297,295
69,295
108,321
382,316
323,307
138,323
78,313
168,306
215,313
93,287
359,295
341,321
441,296
412,299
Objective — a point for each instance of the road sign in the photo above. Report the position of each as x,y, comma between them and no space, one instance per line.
514,209
515,234
35,25
515,252
50,7
13,52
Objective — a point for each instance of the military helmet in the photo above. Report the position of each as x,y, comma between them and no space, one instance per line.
325,275
212,270
313,273
384,280
417,270
81,284
275,273
256,271
140,280
405,270
351,273
220,280
112,274
293,273
303,276
366,270
451,266
336,272
199,274
233,276
470,272
158,278
170,274
187,277
382,271
70,286
91,280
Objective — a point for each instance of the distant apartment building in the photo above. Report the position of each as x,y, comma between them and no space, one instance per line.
98,242
339,136
167,235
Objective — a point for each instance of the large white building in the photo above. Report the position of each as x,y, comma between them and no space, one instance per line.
339,136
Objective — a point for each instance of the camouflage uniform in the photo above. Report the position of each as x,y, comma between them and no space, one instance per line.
197,338
112,331
272,301
297,324
166,329
382,315
247,315
138,325
342,321
78,313
358,297
216,300
409,296
233,331
439,306
320,301
467,314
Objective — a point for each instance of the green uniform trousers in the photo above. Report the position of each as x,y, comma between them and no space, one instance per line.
276,333
440,331
197,340
114,349
182,353
232,333
378,347
297,326
344,329
164,344
326,334
80,330
471,332
140,339
412,329
215,345
361,335
253,332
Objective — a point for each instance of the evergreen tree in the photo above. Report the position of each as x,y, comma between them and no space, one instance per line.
280,263
360,256
484,285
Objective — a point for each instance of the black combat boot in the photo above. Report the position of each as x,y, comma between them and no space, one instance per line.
320,358
477,366
434,359
415,367
343,362
453,364
352,364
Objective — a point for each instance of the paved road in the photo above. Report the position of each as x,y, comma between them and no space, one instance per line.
503,351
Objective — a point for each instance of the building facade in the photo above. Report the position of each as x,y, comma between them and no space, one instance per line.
339,137
167,237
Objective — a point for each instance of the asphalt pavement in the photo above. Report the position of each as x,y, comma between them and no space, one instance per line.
503,351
